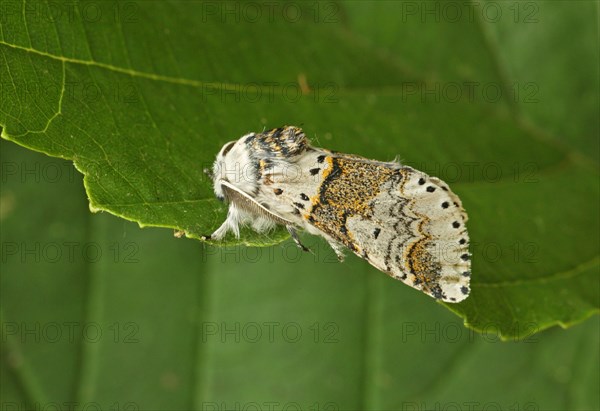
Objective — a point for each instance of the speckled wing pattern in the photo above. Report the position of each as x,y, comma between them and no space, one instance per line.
402,221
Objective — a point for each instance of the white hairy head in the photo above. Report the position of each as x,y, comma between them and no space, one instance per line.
233,164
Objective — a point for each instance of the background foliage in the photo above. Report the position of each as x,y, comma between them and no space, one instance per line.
496,98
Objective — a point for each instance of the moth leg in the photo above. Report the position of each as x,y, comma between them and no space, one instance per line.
230,223
294,235
338,249
219,233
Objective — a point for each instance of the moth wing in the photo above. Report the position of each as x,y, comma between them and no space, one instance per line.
402,221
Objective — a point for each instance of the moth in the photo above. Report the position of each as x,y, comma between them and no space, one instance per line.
402,221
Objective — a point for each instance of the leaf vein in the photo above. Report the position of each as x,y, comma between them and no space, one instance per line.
130,72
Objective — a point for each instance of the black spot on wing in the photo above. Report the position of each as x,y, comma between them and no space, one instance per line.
437,292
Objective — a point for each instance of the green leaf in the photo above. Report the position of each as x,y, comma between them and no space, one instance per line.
179,327
141,96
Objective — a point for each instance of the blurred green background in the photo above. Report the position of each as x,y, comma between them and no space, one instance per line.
102,314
